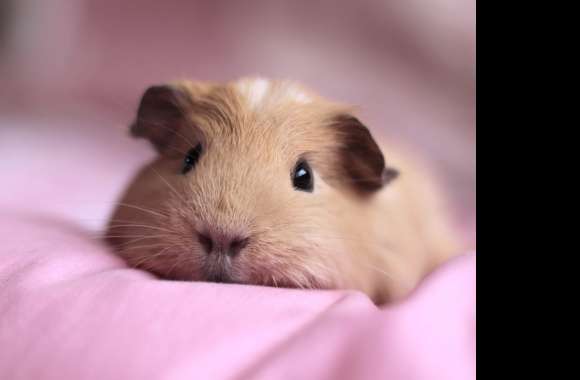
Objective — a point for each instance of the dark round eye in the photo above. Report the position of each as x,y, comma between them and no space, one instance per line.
191,159
302,178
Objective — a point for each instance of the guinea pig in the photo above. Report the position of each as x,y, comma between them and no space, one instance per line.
264,182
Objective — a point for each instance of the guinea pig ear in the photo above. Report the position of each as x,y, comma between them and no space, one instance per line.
160,115
360,158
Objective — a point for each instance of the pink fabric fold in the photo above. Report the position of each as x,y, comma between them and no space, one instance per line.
70,309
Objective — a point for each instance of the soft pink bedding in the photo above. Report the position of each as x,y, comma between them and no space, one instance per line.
71,310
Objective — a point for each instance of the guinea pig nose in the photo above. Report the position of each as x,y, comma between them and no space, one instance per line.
206,242
236,245
230,245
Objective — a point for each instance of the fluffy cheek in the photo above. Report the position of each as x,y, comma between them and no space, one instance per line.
167,259
288,266
167,249
308,265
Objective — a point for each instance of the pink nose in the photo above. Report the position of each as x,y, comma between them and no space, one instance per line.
223,244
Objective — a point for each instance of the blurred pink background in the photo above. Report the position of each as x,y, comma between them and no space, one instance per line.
74,70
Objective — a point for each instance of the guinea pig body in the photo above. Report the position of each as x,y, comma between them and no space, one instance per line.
264,182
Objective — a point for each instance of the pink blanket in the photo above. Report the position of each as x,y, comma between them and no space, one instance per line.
71,310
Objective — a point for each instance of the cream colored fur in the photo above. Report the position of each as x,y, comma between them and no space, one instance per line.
252,132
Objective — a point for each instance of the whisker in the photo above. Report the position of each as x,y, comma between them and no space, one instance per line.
152,212
120,247
150,258
175,265
139,225
128,236
170,187
131,248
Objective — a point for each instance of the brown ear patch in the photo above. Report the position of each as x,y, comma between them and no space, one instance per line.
360,159
160,115
390,174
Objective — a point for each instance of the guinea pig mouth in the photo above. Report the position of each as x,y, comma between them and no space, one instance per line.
221,276
217,271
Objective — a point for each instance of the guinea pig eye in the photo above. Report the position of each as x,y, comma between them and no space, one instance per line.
191,159
302,178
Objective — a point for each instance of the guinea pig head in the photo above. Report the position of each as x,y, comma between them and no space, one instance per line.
255,182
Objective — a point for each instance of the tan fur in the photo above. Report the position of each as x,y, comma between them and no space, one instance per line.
381,244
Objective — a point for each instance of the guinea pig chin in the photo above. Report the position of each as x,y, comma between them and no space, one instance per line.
217,268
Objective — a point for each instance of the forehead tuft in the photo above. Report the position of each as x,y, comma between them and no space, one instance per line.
260,92
254,91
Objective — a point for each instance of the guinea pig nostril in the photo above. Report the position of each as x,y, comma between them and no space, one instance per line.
237,245
206,242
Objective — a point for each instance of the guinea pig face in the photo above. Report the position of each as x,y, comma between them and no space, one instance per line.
254,183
